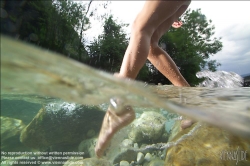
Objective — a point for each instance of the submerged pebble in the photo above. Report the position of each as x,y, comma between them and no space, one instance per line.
140,157
148,157
127,143
88,147
124,163
136,145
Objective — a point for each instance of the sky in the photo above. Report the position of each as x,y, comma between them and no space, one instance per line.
230,18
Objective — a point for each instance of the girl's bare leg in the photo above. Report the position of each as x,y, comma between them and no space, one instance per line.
160,59
153,14
164,63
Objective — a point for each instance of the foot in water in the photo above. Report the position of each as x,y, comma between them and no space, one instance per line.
112,122
186,123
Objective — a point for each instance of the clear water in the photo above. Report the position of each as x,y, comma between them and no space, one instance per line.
32,77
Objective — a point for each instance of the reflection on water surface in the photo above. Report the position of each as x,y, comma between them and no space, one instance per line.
30,77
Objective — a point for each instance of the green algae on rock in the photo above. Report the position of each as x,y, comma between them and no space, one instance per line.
61,123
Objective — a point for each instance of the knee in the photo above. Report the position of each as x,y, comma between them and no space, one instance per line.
154,47
155,39
153,43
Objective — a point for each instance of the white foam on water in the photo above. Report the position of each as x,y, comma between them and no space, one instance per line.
220,79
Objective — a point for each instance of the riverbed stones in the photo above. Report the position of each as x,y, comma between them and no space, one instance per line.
203,144
61,123
149,126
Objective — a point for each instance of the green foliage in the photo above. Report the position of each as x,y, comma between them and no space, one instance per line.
106,52
52,24
212,65
190,47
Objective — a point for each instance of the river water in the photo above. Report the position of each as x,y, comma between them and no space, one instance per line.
39,76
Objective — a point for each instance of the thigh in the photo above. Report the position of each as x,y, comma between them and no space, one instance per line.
155,13
165,26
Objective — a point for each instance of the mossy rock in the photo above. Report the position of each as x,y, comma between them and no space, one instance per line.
61,123
203,144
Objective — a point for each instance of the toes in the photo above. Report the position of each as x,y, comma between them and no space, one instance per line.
186,123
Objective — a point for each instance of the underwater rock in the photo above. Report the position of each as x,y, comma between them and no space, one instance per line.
127,155
88,147
155,162
88,162
124,163
61,123
148,157
10,133
164,137
140,158
149,126
202,144
126,143
136,146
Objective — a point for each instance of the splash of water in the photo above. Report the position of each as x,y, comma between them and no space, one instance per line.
221,79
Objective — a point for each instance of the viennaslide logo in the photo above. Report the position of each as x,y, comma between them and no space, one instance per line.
234,155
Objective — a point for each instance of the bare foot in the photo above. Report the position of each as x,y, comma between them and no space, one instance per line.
185,123
112,122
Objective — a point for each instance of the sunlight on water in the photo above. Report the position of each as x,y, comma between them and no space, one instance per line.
35,74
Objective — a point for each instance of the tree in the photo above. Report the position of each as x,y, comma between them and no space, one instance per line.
52,24
190,47
106,52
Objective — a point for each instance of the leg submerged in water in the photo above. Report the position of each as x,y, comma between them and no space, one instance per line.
113,121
